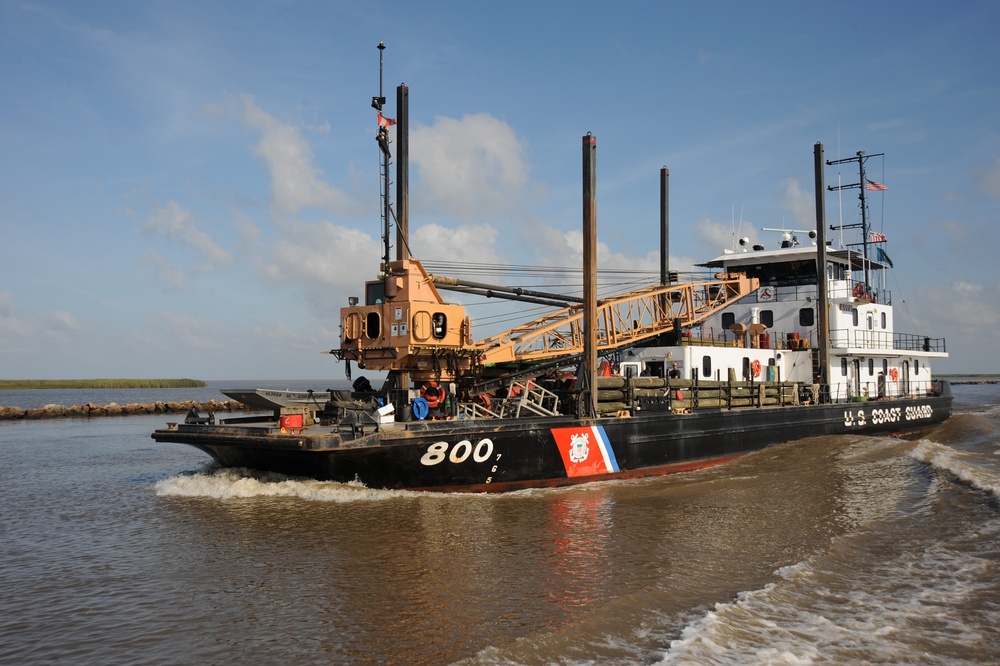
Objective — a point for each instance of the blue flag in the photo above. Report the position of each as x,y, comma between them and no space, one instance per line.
883,257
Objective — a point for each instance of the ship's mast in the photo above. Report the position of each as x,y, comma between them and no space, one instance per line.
860,158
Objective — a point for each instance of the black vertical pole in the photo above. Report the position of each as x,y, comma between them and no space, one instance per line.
822,281
664,226
590,270
402,172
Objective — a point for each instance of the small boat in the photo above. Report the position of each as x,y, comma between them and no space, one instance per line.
774,345
277,399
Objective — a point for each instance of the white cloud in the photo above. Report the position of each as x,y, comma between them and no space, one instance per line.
11,325
471,243
800,203
719,236
167,273
296,183
324,255
976,307
988,179
176,223
186,331
60,321
17,328
471,168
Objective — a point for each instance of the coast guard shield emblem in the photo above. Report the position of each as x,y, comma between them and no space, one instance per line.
585,450
578,450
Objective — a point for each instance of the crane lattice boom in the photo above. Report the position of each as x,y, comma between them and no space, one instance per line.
622,320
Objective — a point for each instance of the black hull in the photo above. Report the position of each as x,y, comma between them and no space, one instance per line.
502,455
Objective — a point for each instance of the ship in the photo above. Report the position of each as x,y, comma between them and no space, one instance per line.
774,345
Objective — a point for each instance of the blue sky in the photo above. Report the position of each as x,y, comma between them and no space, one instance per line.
190,189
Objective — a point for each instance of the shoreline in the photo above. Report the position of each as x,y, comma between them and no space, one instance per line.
90,409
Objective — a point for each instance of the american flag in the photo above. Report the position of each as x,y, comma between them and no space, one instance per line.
875,187
877,237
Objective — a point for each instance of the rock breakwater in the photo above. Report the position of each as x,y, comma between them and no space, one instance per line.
114,409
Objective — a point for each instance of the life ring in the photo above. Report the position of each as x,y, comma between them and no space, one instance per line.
433,393
484,398
893,374
755,368
859,290
420,409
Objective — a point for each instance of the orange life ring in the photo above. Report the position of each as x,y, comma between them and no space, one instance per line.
755,368
859,290
484,398
433,394
893,374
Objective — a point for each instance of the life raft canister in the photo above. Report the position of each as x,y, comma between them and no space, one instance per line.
433,394
755,368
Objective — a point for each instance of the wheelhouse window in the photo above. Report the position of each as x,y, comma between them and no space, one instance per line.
374,293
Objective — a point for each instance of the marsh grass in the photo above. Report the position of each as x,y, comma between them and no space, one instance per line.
27,384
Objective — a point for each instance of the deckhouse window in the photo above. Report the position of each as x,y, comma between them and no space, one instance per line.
767,318
806,317
916,367
439,325
373,325
728,319
871,367
843,366
706,366
854,315
883,321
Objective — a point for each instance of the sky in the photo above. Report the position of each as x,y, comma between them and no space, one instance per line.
191,189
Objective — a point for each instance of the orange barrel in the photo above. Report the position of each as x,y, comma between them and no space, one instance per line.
290,421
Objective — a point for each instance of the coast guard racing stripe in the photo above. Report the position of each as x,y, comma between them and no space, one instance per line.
585,451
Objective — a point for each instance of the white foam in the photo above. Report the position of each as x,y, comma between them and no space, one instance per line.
891,610
963,465
228,484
